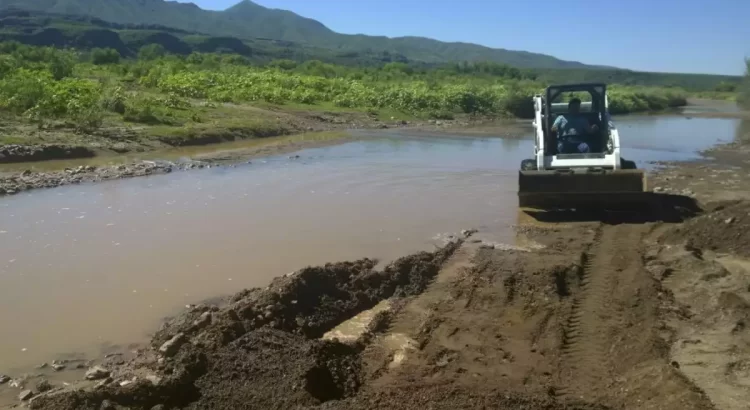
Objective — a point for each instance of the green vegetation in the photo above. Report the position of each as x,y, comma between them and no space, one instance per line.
44,84
94,35
743,90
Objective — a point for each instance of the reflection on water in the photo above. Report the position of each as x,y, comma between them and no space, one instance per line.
85,265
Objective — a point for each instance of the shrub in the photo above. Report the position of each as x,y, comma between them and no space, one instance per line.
147,110
151,52
114,100
101,56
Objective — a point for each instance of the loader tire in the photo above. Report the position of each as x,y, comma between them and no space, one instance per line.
625,164
528,165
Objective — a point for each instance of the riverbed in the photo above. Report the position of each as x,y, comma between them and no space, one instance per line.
92,268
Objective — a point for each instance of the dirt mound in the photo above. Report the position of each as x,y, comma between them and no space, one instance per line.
261,350
452,397
269,368
725,228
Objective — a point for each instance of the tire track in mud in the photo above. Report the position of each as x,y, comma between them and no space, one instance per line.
586,341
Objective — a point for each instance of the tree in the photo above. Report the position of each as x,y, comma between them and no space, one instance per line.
283,64
726,87
102,56
61,65
151,52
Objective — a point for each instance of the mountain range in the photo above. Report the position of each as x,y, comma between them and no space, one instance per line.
248,20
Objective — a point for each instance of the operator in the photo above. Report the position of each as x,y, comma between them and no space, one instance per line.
572,128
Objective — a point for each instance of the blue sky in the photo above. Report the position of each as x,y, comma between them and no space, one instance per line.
699,36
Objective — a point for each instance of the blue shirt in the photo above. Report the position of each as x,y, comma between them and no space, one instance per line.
573,125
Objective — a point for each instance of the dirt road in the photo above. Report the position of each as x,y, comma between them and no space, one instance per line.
610,311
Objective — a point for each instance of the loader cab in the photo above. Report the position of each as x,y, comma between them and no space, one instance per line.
593,107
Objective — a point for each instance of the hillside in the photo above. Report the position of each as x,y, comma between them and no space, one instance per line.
249,20
84,32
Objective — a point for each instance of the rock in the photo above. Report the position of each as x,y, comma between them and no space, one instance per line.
127,382
96,373
4,379
58,367
43,386
729,220
171,346
202,321
107,405
468,232
658,189
26,395
155,380
26,173
42,366
438,123
103,383
158,407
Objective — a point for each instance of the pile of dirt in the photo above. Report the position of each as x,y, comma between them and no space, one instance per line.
574,324
262,349
725,228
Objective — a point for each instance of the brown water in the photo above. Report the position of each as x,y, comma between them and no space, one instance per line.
86,267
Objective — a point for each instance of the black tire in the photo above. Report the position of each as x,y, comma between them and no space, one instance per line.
625,164
528,165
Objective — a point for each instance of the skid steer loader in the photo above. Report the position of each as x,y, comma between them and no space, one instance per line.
597,177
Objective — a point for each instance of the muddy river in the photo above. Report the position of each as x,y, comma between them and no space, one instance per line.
85,269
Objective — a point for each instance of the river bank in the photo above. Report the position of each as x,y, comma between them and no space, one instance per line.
47,165
52,165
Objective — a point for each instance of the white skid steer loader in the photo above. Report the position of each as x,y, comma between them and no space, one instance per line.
585,170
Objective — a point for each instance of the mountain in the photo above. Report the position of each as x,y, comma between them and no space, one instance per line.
249,20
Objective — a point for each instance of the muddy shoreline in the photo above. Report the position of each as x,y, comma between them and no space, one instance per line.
13,182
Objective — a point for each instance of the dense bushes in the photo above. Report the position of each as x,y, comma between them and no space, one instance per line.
625,100
44,83
38,96
743,94
415,97
101,56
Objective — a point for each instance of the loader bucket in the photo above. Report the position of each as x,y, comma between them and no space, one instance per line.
562,189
